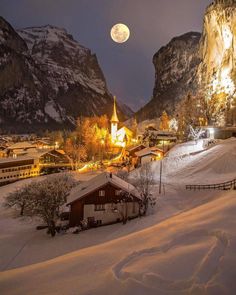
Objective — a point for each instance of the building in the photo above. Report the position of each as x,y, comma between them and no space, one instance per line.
129,154
51,161
20,149
104,199
12,169
148,155
154,137
119,137
213,132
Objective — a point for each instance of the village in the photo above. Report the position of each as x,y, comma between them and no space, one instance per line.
110,193
117,147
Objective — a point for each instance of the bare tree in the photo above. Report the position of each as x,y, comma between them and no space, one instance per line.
144,182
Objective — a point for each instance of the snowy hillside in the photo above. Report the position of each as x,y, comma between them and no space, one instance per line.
190,163
186,245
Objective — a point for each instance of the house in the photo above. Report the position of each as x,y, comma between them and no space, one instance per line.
148,155
45,144
20,149
104,199
154,137
51,161
129,154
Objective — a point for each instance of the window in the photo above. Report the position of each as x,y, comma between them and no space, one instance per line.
134,208
99,207
117,192
101,193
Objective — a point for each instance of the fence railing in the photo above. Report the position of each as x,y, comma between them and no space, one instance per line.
218,186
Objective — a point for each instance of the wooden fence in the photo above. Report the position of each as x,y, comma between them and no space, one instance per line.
219,186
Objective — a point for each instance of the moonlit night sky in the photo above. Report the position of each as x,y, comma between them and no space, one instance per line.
127,67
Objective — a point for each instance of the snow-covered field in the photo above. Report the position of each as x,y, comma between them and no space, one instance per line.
186,245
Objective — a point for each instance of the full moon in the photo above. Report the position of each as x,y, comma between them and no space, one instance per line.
120,33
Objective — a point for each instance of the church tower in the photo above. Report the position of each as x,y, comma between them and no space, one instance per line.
114,122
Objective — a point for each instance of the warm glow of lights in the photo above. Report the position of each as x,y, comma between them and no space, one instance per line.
223,83
227,37
212,133
84,168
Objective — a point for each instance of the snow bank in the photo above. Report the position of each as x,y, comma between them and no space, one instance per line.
214,165
192,253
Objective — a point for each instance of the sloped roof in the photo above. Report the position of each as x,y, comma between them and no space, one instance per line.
93,184
114,117
131,148
21,145
148,151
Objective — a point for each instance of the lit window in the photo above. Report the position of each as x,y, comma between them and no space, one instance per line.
117,192
99,207
102,193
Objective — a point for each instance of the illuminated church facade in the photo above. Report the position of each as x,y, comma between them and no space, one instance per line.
119,137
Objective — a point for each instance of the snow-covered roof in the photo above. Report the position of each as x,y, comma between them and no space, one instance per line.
10,160
93,184
147,151
37,153
130,149
21,145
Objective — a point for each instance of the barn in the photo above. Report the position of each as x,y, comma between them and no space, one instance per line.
105,199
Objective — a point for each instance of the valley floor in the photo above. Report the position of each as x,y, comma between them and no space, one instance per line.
186,245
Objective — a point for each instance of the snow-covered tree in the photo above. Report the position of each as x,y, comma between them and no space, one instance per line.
43,198
21,198
49,197
144,181
195,133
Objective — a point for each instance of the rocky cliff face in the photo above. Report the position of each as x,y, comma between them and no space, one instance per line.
191,64
217,72
47,80
176,67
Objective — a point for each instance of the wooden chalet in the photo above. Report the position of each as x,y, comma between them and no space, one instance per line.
105,199
148,155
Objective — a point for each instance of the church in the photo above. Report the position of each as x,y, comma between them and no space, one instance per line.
119,137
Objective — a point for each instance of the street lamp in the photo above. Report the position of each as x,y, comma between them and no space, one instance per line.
161,168
102,144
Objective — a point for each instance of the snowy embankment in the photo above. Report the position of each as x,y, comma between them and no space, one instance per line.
187,245
214,165
192,253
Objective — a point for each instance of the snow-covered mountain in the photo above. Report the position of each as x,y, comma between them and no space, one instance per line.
47,80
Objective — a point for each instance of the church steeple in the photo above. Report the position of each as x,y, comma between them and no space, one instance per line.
114,118
114,122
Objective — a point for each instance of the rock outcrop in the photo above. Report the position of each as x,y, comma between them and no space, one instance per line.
176,67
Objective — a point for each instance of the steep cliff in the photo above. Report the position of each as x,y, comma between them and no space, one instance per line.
47,80
217,71
193,64
176,67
